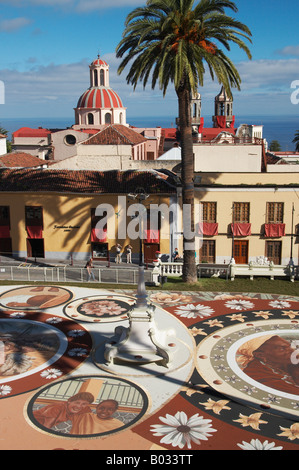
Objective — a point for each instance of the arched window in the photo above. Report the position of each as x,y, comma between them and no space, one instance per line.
107,118
95,74
102,78
120,118
194,110
90,118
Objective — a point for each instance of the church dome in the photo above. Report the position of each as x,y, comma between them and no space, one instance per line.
99,97
99,62
99,104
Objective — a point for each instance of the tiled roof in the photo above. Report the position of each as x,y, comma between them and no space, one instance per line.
115,134
84,181
28,132
274,160
20,159
211,133
99,97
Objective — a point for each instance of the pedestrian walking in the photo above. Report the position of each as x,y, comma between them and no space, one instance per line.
90,274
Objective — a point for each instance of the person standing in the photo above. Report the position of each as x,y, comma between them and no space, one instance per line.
118,253
129,254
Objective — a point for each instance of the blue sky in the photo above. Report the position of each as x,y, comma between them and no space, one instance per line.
47,45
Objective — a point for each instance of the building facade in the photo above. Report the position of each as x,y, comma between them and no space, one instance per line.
52,214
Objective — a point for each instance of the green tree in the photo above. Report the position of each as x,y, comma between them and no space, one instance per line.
3,131
275,146
296,141
174,41
8,143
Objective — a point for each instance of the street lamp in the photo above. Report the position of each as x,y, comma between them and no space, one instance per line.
233,235
142,342
141,196
292,237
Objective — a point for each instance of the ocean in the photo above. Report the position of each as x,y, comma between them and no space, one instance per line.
280,128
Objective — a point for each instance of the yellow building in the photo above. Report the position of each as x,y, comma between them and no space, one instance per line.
53,214
249,216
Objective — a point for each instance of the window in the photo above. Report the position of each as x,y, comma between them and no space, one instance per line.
95,75
90,118
273,251
274,212
102,78
4,216
96,218
5,238
241,212
99,248
107,118
34,216
207,251
70,139
209,212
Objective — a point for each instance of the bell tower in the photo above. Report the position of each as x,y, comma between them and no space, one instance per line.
99,105
223,117
99,73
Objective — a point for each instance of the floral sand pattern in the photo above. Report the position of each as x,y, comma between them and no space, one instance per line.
214,406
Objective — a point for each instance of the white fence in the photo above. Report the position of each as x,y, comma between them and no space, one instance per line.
71,274
203,270
272,271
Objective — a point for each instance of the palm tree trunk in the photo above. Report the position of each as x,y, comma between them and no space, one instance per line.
184,104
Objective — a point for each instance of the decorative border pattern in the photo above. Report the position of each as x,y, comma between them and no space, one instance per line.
75,347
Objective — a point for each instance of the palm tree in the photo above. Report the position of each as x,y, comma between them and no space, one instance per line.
172,41
296,141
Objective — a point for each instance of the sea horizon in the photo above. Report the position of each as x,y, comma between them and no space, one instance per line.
281,128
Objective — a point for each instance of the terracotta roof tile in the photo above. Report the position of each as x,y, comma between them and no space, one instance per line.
274,160
115,134
84,181
28,132
20,159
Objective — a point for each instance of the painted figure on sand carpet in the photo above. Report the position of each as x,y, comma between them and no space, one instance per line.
87,406
268,360
35,297
24,346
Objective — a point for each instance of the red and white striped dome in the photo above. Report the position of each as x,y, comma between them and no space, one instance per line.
99,62
99,97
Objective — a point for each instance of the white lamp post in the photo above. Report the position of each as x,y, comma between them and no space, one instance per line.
141,342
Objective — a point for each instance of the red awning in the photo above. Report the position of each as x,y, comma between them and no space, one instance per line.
152,236
98,235
208,229
34,231
4,231
241,229
200,128
274,230
221,121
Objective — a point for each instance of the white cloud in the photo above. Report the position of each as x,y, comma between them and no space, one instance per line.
268,74
54,89
14,24
289,50
92,5
79,5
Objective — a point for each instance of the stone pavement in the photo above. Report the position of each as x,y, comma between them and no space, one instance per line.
232,383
